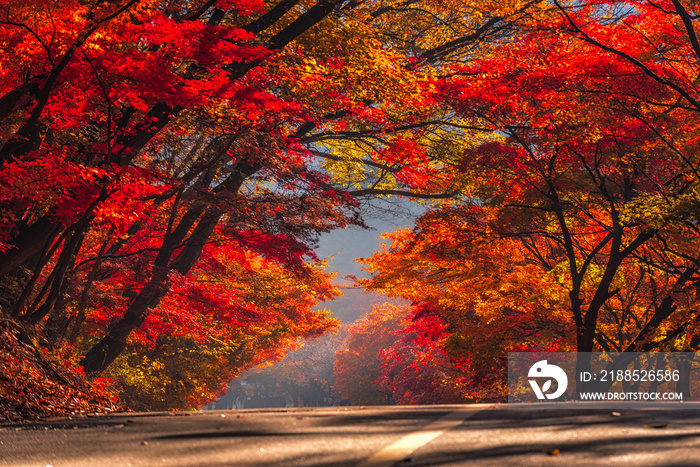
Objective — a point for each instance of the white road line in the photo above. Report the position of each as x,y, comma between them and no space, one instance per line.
409,443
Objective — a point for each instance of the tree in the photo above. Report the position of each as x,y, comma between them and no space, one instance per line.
418,370
231,314
125,160
614,173
589,175
358,368
137,134
482,297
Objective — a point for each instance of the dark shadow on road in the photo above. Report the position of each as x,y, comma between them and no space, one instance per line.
577,418
570,453
598,448
64,424
222,434
370,418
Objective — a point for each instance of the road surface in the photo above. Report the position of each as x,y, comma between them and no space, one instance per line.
476,435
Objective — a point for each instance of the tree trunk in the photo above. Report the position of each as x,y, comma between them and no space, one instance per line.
108,349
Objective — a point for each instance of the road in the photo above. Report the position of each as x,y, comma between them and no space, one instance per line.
477,435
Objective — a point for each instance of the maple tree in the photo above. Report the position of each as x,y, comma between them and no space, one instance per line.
358,367
614,174
239,314
417,369
580,201
480,296
140,135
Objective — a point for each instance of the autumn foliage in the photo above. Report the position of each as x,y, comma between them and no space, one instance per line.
167,167
33,386
417,369
358,367
577,229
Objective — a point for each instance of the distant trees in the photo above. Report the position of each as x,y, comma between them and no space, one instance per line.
395,355
304,377
358,367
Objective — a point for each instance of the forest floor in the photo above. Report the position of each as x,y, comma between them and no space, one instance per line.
35,384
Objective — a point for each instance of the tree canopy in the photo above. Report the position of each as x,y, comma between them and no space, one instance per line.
164,162
167,167
578,225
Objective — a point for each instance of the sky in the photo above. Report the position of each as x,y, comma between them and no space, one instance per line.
341,247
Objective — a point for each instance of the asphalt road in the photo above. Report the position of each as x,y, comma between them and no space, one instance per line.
478,435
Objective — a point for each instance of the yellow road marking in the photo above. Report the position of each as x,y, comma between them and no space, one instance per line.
409,443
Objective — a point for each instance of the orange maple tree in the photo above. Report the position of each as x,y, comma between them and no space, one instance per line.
578,220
